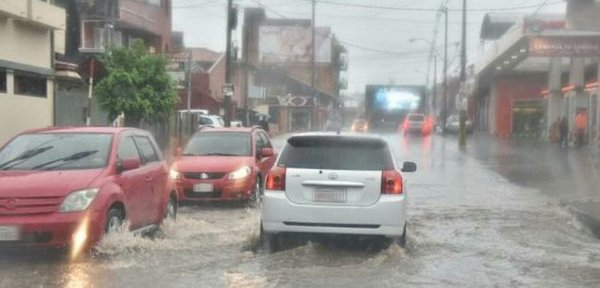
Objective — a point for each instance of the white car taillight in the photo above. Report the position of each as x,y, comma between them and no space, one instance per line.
276,179
391,182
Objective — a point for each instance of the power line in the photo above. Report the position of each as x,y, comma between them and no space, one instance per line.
197,5
540,6
269,8
436,9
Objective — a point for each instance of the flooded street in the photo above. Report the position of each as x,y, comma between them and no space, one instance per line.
470,225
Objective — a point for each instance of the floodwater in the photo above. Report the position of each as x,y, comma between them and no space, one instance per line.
470,225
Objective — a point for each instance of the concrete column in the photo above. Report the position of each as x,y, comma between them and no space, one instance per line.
554,97
492,110
597,111
591,112
576,78
10,83
51,97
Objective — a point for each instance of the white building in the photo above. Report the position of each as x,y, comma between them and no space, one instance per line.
31,31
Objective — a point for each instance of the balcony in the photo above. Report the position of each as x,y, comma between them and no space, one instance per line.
14,8
145,16
94,36
35,12
48,15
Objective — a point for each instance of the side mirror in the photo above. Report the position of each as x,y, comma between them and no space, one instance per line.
409,167
266,152
177,152
129,164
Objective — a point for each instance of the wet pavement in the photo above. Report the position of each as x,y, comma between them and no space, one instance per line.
484,217
569,177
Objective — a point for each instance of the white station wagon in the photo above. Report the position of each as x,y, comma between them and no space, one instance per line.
335,184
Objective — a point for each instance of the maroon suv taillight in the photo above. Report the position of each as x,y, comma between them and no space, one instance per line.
276,179
391,182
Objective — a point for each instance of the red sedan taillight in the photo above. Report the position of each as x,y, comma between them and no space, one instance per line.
276,179
405,125
391,182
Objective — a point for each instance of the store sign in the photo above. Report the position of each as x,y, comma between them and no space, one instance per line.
294,101
565,46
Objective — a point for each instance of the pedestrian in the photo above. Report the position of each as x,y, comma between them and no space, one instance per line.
581,126
554,135
264,123
563,128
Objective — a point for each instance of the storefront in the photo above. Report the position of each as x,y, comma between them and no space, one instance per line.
534,73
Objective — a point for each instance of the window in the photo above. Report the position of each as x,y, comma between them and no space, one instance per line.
416,118
336,153
265,139
30,85
56,151
127,149
260,143
153,2
219,144
98,38
146,149
2,81
205,121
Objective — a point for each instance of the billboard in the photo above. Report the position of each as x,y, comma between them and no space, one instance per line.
390,99
292,44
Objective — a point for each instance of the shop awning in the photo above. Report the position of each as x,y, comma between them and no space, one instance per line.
26,68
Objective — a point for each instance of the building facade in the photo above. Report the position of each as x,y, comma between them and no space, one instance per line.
207,77
93,25
274,72
31,32
535,70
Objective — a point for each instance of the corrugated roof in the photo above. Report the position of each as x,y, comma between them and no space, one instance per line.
496,24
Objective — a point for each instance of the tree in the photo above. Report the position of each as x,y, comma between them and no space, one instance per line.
137,84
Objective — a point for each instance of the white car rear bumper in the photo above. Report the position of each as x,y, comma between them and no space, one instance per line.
387,217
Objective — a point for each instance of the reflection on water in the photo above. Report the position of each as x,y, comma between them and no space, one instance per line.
76,276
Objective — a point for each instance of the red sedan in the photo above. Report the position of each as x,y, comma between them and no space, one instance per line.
224,164
416,123
70,186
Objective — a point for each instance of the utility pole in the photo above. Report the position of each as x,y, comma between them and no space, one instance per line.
313,75
188,72
445,96
463,78
227,96
434,88
88,112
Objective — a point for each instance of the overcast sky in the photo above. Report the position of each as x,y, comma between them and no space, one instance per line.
375,37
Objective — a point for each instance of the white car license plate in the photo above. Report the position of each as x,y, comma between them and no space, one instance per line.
203,188
330,195
9,233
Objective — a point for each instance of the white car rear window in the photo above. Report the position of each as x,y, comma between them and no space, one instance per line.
336,153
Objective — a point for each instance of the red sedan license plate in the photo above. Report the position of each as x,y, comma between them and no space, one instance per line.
203,188
330,195
9,233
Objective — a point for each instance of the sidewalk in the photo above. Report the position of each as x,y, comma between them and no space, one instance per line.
569,177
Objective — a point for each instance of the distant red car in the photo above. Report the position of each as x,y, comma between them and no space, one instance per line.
416,123
224,164
70,186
